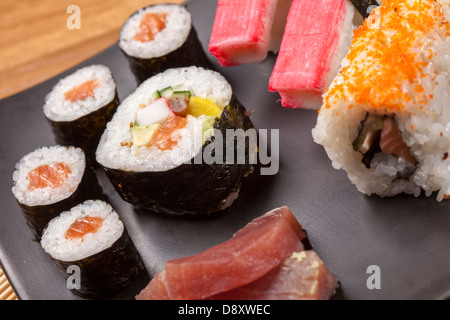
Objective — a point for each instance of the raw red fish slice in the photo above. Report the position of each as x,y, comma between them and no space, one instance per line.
252,252
83,226
156,289
48,175
309,46
82,92
303,276
241,31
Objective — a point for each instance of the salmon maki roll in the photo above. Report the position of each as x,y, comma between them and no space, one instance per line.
80,105
159,37
384,119
50,180
92,237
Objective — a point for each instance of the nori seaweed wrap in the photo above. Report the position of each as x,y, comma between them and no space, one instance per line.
364,6
174,181
51,180
159,37
79,107
90,242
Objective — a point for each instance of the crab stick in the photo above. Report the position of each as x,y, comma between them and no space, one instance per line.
241,31
317,36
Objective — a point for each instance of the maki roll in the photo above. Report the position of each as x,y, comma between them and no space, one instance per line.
152,146
50,180
92,237
79,107
385,118
159,37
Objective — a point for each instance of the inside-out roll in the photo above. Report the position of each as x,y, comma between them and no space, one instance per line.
385,117
148,147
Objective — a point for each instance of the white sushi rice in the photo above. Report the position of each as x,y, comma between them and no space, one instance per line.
200,82
73,157
55,243
426,131
57,108
178,26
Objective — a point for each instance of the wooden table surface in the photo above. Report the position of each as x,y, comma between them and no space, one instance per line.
36,44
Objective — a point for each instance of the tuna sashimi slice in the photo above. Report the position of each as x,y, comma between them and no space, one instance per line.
317,36
241,31
156,289
303,276
252,252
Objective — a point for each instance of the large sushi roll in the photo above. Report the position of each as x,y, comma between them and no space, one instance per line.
80,105
50,180
150,148
385,118
92,240
159,37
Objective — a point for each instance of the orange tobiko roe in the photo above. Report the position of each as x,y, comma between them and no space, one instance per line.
82,92
384,57
48,175
151,25
83,226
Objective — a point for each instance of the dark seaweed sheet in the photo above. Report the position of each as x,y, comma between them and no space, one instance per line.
363,5
108,272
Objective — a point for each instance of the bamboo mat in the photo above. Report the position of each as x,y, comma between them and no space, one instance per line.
6,291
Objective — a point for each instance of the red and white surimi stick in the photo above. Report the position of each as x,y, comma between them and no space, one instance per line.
241,31
317,37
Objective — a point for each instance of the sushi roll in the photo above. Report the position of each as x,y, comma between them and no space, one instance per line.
384,119
150,148
50,180
313,45
80,105
159,37
365,7
92,237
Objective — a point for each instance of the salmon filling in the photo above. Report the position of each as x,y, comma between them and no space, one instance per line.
48,175
82,92
163,136
381,134
83,226
151,25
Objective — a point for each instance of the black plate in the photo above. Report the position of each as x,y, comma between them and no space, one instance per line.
407,237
